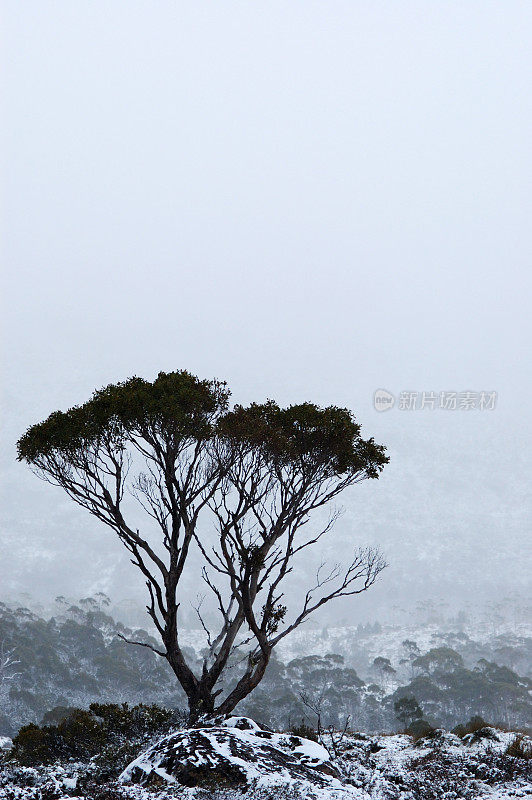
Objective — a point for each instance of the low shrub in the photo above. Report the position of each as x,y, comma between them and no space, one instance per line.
476,723
83,734
105,730
520,747
304,731
57,715
33,745
419,729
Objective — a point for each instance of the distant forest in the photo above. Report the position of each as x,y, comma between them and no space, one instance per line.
77,657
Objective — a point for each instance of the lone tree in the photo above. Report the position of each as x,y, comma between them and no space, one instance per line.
240,485
407,711
384,667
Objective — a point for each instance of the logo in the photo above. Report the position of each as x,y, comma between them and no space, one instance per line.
383,400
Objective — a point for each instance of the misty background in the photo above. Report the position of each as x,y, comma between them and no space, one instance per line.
309,200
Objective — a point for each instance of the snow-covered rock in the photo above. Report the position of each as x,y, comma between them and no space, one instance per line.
234,753
5,743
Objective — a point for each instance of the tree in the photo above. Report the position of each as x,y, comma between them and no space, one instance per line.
412,652
407,710
411,648
383,666
380,662
8,664
257,474
439,661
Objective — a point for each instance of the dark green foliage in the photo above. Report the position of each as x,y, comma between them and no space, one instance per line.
313,437
182,407
104,730
82,734
57,715
33,745
141,720
177,403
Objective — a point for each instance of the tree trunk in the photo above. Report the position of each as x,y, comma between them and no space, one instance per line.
200,704
199,691
245,686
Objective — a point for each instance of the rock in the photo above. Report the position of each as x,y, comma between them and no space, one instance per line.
235,752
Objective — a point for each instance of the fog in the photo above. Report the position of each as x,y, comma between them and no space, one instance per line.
309,200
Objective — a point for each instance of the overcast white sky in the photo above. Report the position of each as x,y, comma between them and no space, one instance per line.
311,200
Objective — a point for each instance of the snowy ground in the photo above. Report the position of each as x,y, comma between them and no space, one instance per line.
282,766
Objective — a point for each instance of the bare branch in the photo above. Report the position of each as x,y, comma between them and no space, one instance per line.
141,644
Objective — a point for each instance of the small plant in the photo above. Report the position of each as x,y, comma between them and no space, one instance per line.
304,731
420,729
520,747
82,734
475,724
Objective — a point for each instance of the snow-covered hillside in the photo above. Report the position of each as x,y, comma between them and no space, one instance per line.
361,644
